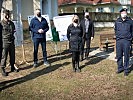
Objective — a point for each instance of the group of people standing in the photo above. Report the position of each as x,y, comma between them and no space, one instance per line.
79,33
38,27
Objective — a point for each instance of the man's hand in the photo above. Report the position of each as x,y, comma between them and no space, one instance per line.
92,38
40,31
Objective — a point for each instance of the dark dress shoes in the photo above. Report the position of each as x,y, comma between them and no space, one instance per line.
126,74
13,69
119,71
3,72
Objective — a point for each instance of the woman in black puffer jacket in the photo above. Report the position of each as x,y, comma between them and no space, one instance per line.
74,35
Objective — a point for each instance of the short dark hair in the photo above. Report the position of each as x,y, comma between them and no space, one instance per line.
86,10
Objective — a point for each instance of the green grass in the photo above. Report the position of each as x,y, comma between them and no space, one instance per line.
97,81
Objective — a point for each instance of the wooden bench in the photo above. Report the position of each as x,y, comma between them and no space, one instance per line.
106,40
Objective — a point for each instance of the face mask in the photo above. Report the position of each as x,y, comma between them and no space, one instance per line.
123,15
75,24
87,16
7,17
76,20
39,15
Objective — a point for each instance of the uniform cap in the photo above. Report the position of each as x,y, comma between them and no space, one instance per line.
123,9
6,11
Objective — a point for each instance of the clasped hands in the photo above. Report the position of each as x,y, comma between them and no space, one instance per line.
40,31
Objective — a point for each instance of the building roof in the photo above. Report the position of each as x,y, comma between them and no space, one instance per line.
132,2
109,1
64,2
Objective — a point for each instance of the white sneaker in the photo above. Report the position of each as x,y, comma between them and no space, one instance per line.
46,63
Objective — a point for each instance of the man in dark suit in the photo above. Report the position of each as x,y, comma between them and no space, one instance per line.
88,34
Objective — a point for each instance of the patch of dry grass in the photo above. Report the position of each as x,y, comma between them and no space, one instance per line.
97,81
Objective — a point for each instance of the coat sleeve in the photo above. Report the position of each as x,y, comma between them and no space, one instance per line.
115,27
93,31
46,27
1,33
13,28
132,29
83,28
1,40
68,33
31,28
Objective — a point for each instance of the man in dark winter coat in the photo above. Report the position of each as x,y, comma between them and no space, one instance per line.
39,27
88,34
123,32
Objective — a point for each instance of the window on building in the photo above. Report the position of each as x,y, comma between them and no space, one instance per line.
112,9
100,9
125,1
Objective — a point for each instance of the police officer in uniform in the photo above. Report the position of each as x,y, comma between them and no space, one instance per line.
8,42
123,32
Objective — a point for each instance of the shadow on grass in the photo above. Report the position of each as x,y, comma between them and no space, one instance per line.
64,55
92,60
96,58
10,83
30,66
65,52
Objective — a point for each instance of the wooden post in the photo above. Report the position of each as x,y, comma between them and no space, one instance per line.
24,58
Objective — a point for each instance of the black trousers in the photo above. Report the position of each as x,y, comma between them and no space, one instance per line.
88,42
75,58
8,48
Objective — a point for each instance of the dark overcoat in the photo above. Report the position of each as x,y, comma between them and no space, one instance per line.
74,35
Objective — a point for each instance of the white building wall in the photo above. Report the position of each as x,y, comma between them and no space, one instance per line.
106,9
125,2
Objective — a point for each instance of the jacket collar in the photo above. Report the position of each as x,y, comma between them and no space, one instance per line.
120,19
6,22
